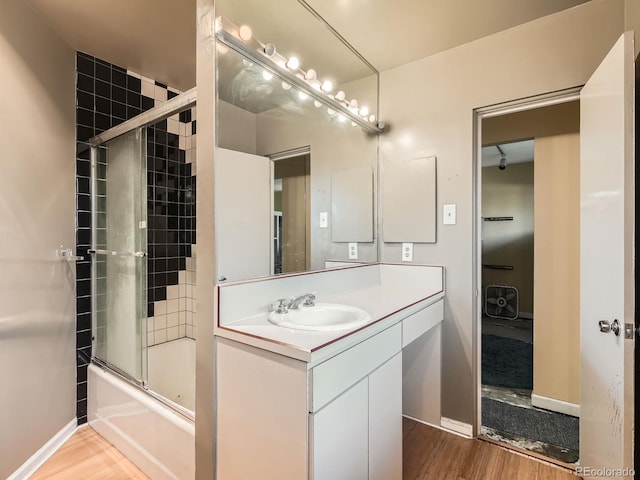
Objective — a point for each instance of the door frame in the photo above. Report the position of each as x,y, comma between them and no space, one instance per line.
479,114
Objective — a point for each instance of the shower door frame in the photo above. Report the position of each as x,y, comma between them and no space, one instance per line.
138,373
154,115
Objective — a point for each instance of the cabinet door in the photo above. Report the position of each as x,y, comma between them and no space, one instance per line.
385,421
339,432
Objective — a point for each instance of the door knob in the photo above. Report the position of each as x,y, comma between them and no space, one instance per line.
615,328
605,327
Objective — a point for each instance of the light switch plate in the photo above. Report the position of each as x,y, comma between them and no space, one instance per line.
353,251
324,219
407,252
449,214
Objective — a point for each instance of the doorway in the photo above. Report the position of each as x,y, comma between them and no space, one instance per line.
529,201
291,215
606,218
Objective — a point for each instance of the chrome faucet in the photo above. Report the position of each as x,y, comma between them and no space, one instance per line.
307,300
280,306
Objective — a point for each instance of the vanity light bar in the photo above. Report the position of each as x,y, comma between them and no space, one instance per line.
253,50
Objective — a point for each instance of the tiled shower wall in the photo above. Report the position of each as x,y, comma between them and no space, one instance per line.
107,95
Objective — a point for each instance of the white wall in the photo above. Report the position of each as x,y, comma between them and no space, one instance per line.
429,104
509,193
37,209
236,128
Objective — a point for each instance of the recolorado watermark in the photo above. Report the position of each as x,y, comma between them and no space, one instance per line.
605,472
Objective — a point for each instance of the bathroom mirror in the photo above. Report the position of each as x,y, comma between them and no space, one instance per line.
285,160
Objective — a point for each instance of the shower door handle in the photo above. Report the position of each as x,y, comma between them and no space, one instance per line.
118,254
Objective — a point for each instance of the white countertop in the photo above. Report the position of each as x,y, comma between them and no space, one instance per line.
386,304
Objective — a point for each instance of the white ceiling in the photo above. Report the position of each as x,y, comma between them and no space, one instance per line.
157,37
389,33
517,152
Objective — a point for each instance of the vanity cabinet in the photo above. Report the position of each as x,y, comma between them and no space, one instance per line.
339,434
339,419
358,434
336,414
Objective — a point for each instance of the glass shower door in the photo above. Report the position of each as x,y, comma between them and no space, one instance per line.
119,260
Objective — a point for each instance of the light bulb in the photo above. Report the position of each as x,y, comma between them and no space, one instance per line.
341,118
330,111
302,96
317,104
372,118
310,75
293,63
285,86
340,96
245,33
327,86
354,124
269,49
364,111
353,103
267,75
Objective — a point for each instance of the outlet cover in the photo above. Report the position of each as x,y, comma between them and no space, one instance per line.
324,219
449,214
353,251
407,252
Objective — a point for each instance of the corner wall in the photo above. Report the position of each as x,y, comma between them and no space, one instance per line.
429,104
37,287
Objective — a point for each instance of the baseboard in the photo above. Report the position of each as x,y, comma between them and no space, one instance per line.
555,405
36,460
457,427
448,425
525,315
424,422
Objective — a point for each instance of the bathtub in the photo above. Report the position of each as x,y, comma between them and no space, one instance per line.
172,371
158,438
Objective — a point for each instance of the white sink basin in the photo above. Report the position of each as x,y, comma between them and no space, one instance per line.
322,316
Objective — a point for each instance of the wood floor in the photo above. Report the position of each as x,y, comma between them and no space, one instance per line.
429,454
88,456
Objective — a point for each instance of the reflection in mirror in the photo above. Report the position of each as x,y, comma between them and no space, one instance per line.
292,180
278,150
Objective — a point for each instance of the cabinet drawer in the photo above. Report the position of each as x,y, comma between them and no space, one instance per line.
415,325
331,378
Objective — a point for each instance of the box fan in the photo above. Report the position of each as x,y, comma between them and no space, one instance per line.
501,301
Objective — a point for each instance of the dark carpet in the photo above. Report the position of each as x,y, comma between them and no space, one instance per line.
549,427
507,362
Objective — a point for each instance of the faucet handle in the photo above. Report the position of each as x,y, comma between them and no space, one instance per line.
310,300
280,306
